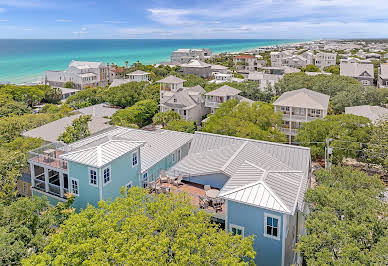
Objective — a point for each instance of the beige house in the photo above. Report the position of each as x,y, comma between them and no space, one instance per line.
298,107
382,79
197,68
188,102
362,70
248,63
374,113
139,76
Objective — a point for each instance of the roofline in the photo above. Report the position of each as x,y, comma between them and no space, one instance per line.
253,140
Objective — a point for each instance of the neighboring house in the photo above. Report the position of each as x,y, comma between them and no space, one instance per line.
188,102
323,60
119,82
264,79
373,56
115,72
225,93
362,70
263,185
374,113
139,76
67,92
198,68
219,69
309,56
248,63
382,78
81,73
24,185
51,131
221,78
287,58
300,106
182,56
95,168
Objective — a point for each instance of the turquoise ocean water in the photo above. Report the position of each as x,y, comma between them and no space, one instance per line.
26,60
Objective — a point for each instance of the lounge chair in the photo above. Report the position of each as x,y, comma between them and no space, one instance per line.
163,177
178,182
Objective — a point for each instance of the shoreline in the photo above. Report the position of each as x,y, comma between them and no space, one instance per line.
37,80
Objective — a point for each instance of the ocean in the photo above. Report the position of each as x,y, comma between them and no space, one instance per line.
26,60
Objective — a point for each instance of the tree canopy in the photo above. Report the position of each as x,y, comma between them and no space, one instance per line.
140,114
78,130
182,126
144,229
347,222
377,148
347,131
254,121
165,117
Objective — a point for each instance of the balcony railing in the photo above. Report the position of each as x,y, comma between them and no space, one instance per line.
289,131
49,155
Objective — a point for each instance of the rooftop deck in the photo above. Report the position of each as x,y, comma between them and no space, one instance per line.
49,155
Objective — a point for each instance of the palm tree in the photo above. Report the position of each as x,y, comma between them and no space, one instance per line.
126,64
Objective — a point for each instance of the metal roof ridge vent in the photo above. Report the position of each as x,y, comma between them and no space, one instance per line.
234,156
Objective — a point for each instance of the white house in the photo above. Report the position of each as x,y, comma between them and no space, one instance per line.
382,79
139,76
81,73
300,106
362,70
374,113
185,55
323,60
248,63
198,68
221,78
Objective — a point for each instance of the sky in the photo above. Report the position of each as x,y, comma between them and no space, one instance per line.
193,19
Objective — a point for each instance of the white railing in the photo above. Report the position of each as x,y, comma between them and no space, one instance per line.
211,104
288,131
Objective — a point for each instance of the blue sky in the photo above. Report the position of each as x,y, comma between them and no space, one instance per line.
299,19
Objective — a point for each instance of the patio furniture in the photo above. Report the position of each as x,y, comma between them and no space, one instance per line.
49,154
217,204
165,189
203,202
178,182
206,187
212,193
163,177
158,189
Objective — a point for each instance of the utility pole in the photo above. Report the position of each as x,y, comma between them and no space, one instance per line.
328,152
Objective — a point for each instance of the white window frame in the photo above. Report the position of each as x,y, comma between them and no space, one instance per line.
110,175
137,158
145,174
95,170
173,157
238,227
129,184
365,82
71,186
265,225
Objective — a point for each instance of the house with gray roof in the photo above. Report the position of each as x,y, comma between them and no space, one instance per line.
298,107
374,113
50,132
218,96
139,76
182,55
97,167
198,68
323,59
362,70
263,185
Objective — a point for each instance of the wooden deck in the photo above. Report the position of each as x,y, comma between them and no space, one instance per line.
52,161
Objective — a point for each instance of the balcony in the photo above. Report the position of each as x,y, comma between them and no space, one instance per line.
289,131
49,182
302,118
49,155
212,104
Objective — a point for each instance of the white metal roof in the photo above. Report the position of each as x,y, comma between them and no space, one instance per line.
85,64
138,73
224,91
171,79
196,64
303,98
374,113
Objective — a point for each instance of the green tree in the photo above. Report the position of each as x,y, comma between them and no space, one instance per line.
165,117
311,68
25,225
347,222
377,150
255,121
10,107
194,80
182,126
78,130
332,69
144,230
139,114
347,131
86,97
125,95
69,85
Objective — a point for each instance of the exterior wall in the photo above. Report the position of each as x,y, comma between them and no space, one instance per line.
87,193
214,180
382,83
24,188
365,80
122,173
268,250
139,78
204,72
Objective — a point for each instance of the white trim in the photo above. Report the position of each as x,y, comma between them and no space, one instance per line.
265,225
89,175
137,158
100,183
237,227
110,175
226,216
71,185
129,183
284,238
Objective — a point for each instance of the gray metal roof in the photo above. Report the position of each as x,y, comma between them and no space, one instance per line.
374,113
196,64
157,144
138,73
224,91
171,79
183,98
354,68
119,82
283,170
303,98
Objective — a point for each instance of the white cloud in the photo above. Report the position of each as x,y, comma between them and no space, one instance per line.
63,20
115,21
27,29
2,10
3,20
170,16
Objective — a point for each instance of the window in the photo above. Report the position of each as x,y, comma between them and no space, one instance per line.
74,186
24,188
173,157
175,100
145,175
365,82
236,230
129,185
93,177
184,112
134,159
271,226
106,172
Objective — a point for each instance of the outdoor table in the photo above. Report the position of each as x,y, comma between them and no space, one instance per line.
49,153
212,193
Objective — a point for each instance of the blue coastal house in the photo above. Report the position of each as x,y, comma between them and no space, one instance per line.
96,167
262,184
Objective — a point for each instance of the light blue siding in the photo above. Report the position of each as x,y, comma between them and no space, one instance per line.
268,250
122,173
87,193
214,180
